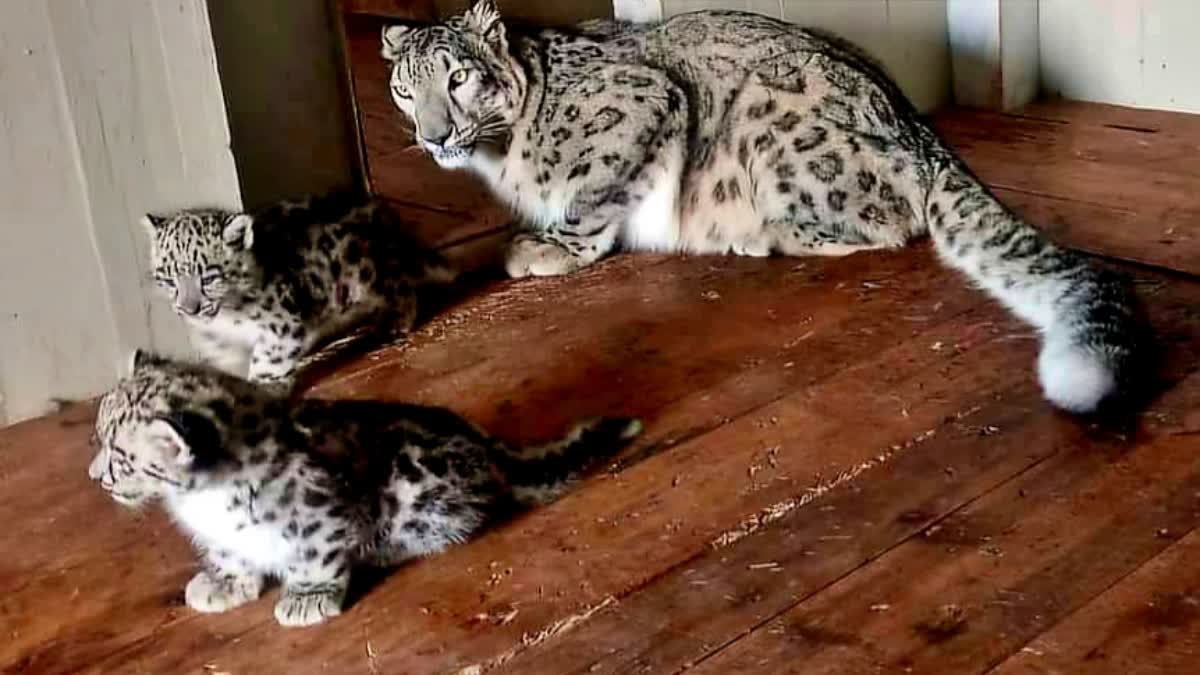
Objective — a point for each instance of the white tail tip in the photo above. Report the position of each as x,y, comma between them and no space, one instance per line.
1074,378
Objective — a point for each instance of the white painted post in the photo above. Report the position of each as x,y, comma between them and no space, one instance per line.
638,11
994,52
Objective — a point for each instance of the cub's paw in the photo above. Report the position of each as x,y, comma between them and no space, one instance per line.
210,594
307,608
528,256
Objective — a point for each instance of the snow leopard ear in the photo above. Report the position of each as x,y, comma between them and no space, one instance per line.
390,40
139,359
239,232
151,223
188,438
483,19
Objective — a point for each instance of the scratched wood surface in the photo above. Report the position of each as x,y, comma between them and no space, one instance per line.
846,467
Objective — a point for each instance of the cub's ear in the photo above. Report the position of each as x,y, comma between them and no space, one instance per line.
239,232
483,19
151,222
188,438
139,359
390,40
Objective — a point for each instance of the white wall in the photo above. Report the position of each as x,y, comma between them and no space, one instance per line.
1143,53
112,108
908,36
109,109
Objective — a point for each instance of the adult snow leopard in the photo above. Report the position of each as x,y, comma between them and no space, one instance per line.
728,132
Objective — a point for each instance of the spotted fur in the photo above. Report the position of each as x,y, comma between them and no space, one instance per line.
728,132
305,490
260,292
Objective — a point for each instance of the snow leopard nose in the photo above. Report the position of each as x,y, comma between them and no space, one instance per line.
438,137
187,297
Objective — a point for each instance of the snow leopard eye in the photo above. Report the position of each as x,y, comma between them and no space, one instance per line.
459,77
164,282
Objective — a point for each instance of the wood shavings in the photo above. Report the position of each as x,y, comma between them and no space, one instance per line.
776,511
530,640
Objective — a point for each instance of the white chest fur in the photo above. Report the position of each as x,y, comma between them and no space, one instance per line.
214,525
654,224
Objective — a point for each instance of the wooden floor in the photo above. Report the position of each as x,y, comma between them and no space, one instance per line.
847,467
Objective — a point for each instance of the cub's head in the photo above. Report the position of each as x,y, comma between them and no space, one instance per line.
192,255
457,82
159,428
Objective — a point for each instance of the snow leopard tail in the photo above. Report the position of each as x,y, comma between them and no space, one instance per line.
541,474
1095,343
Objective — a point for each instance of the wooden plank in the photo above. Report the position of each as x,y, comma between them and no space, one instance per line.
613,536
660,313
1117,192
684,616
1171,242
1147,623
994,50
1122,117
982,582
721,595
556,550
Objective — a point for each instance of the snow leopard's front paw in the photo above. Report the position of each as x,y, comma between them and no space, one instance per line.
529,256
210,594
307,608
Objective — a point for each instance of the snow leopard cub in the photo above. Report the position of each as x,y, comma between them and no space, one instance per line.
259,292
305,490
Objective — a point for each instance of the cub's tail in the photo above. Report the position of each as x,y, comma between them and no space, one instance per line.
541,474
1094,340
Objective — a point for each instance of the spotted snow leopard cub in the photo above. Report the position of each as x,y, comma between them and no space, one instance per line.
259,292
727,132
304,490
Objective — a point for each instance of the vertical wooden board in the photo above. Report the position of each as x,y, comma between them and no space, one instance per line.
918,46
58,336
133,114
1020,60
290,124
638,11
1092,49
1130,52
864,23
908,36
1170,54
